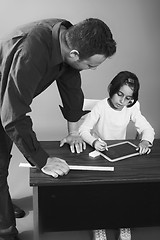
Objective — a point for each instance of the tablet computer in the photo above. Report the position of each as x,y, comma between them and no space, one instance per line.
120,151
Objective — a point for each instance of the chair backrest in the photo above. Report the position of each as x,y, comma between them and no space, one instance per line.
88,105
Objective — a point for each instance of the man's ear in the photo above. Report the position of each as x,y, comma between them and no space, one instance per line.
74,54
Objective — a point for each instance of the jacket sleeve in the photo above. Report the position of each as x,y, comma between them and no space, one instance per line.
19,82
69,86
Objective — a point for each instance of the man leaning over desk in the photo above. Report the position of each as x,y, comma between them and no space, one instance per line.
31,58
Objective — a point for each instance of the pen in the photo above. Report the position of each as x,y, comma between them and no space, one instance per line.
99,139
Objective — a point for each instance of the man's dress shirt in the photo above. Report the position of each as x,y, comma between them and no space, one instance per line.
30,60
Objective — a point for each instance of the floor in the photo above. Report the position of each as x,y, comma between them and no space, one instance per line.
21,194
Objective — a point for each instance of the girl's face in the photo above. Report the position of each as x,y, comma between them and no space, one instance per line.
122,98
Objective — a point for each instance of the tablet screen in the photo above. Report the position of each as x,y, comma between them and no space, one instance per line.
120,151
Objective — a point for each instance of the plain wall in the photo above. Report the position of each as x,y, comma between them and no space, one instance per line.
135,27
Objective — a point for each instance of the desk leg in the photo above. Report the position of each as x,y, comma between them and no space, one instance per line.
35,213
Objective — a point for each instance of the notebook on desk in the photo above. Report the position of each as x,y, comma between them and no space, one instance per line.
120,151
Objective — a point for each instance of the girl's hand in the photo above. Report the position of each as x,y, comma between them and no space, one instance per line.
100,145
144,147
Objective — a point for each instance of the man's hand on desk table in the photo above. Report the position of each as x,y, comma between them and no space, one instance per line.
55,167
75,141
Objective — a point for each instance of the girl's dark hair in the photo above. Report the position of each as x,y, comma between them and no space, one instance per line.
89,37
122,78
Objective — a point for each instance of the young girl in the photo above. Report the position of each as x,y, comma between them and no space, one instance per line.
110,118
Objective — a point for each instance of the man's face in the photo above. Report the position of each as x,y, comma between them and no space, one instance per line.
90,63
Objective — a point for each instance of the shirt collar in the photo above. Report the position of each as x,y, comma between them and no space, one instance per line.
56,50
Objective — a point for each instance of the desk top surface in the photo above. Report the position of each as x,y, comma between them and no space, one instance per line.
144,168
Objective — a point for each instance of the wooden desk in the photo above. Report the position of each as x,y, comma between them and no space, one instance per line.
81,200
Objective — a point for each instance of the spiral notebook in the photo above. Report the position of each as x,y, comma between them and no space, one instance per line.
120,151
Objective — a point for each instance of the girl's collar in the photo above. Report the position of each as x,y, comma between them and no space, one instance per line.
111,104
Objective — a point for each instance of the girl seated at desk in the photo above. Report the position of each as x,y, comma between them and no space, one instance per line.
110,118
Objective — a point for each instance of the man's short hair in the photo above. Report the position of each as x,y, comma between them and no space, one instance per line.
89,37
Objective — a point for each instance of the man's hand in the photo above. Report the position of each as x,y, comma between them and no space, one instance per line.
75,141
55,167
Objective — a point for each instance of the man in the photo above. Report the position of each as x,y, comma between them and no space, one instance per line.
31,58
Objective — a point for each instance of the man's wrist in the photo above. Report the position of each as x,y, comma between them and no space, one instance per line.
73,128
